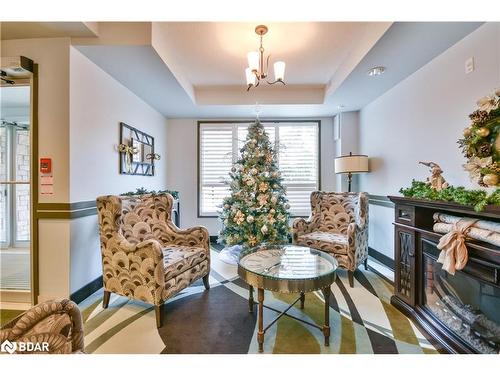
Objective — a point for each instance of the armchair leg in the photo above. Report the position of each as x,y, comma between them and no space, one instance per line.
366,264
350,276
159,315
105,299
205,281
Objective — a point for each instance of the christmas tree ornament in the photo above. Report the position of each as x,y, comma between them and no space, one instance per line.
491,179
262,199
263,187
467,132
483,132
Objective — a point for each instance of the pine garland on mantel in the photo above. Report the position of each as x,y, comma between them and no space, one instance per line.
478,199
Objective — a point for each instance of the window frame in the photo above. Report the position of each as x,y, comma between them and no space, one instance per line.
236,122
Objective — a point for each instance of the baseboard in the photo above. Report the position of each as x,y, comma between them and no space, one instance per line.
384,259
86,290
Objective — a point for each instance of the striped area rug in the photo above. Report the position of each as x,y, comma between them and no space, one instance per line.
362,320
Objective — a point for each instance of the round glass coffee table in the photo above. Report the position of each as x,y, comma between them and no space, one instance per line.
287,269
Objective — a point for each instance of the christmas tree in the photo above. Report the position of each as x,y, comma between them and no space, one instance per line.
257,210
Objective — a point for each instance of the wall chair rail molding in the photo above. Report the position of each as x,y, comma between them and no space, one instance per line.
380,200
66,210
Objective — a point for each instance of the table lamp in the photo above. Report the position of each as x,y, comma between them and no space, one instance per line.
351,164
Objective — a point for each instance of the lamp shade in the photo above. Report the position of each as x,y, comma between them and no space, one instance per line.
351,164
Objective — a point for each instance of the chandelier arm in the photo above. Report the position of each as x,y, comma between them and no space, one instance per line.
267,64
278,80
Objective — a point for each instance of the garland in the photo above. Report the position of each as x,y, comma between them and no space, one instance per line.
481,142
142,191
478,199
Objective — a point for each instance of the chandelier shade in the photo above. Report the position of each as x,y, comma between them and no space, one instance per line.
279,71
256,66
250,77
253,60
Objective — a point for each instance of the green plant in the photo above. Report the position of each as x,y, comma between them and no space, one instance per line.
475,198
142,191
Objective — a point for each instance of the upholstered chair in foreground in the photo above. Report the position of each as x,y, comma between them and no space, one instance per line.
338,225
144,255
54,325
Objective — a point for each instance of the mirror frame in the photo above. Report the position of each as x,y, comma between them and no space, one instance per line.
134,167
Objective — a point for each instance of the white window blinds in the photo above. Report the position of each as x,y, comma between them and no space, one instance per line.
298,158
216,159
298,162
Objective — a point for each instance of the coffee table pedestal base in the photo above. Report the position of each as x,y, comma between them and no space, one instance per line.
260,318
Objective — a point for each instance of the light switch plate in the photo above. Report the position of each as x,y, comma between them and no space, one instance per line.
469,65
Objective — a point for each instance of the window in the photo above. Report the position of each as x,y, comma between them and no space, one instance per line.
298,158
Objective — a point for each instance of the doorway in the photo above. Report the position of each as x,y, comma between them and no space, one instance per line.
15,192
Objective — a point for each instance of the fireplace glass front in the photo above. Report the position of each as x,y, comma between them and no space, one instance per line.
466,305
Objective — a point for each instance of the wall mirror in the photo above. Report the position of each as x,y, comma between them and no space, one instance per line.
137,151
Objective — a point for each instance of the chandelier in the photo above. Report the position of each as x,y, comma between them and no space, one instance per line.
256,70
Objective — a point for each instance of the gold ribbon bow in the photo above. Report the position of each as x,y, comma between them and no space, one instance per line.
454,254
127,149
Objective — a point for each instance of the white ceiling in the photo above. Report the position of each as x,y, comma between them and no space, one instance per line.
214,53
196,70
167,82
26,30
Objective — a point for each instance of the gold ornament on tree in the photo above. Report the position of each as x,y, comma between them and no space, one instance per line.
436,180
491,179
483,132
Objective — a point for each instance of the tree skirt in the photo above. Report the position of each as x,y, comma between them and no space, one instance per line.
230,255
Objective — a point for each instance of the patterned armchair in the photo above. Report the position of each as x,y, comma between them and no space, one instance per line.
144,255
57,324
339,225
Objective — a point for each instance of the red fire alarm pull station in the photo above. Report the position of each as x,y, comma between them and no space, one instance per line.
45,165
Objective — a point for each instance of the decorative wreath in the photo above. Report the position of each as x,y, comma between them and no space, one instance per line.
481,142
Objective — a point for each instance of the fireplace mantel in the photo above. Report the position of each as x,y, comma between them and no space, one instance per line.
415,254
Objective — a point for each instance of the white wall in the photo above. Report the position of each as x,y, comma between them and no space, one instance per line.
421,119
183,163
98,103
346,128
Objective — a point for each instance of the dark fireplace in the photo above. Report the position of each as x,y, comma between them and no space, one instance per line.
464,303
